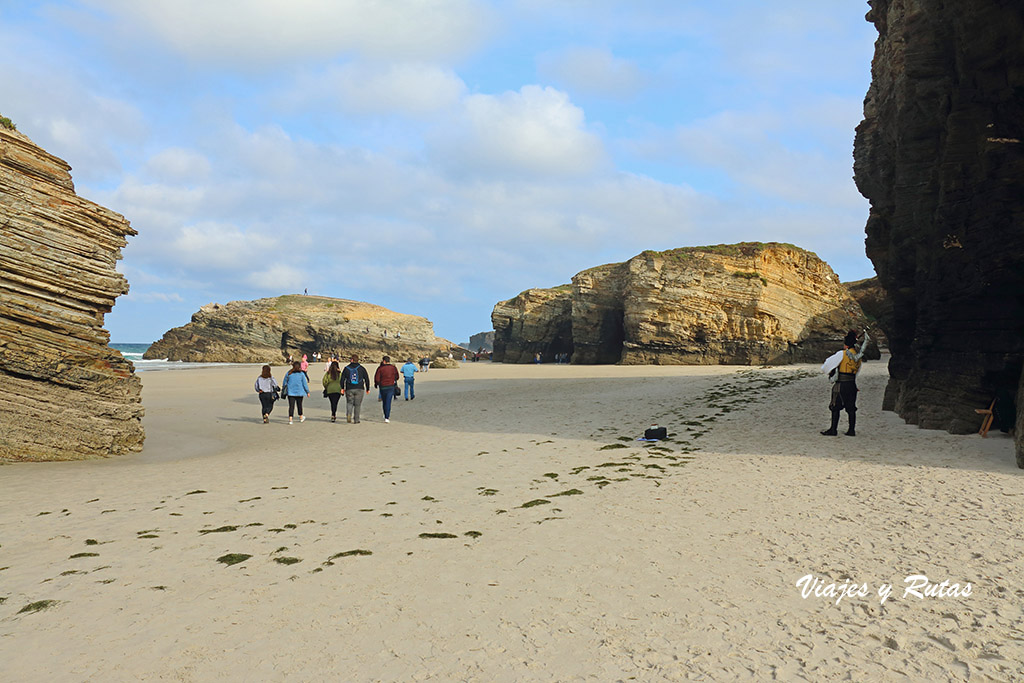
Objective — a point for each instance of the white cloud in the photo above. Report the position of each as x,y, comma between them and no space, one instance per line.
532,131
177,164
591,70
249,33
68,119
363,88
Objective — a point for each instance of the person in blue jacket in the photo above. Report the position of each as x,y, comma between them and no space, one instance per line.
408,375
295,386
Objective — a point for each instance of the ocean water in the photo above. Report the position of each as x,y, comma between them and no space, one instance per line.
133,352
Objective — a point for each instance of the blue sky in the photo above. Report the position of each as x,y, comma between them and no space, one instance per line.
437,156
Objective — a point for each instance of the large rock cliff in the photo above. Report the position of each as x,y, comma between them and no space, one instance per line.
270,330
66,394
940,156
744,303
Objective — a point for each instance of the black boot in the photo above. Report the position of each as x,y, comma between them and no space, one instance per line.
853,423
833,430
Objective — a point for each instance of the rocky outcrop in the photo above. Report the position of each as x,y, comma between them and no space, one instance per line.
66,394
940,156
535,321
482,341
874,301
1018,428
746,303
271,330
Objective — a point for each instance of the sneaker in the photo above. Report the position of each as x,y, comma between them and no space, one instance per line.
829,432
266,419
302,418
386,420
332,418
289,420
349,418
851,433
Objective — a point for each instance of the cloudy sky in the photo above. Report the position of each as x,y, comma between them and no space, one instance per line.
437,156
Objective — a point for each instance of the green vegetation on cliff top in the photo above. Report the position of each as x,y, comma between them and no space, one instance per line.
739,249
7,123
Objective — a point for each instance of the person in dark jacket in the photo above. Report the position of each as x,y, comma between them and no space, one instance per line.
355,382
386,379
266,387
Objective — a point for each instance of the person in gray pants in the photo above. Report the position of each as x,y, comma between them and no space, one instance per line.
355,382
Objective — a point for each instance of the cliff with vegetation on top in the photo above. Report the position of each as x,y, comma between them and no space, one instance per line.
748,303
271,330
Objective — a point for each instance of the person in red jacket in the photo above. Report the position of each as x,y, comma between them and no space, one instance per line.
386,379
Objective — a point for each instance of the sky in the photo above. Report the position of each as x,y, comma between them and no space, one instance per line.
438,156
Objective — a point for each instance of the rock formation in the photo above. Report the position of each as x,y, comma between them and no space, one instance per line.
940,156
481,340
269,330
535,321
66,394
744,303
875,303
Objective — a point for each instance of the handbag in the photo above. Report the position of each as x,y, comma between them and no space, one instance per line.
398,391
325,392
274,395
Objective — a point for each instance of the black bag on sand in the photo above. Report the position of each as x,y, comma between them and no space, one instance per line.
656,433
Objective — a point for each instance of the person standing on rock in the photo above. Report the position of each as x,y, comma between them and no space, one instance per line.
409,375
355,382
386,379
266,385
296,387
333,387
844,389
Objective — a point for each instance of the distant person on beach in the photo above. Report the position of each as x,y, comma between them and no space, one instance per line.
409,375
333,387
266,385
355,383
424,364
296,387
386,379
844,389
305,365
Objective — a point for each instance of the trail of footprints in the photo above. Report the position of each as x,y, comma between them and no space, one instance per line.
653,461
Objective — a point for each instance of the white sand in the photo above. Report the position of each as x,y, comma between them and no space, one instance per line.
680,571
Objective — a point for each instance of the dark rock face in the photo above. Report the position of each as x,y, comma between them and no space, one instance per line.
940,156
1018,429
742,303
482,341
65,395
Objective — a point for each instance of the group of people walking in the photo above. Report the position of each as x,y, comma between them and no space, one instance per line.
352,382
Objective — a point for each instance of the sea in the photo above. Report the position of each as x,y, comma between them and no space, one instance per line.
133,352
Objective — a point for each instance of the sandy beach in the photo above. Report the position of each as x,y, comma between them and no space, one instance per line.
507,526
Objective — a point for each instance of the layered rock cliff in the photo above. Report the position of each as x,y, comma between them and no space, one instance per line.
66,394
744,303
271,330
875,302
940,156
